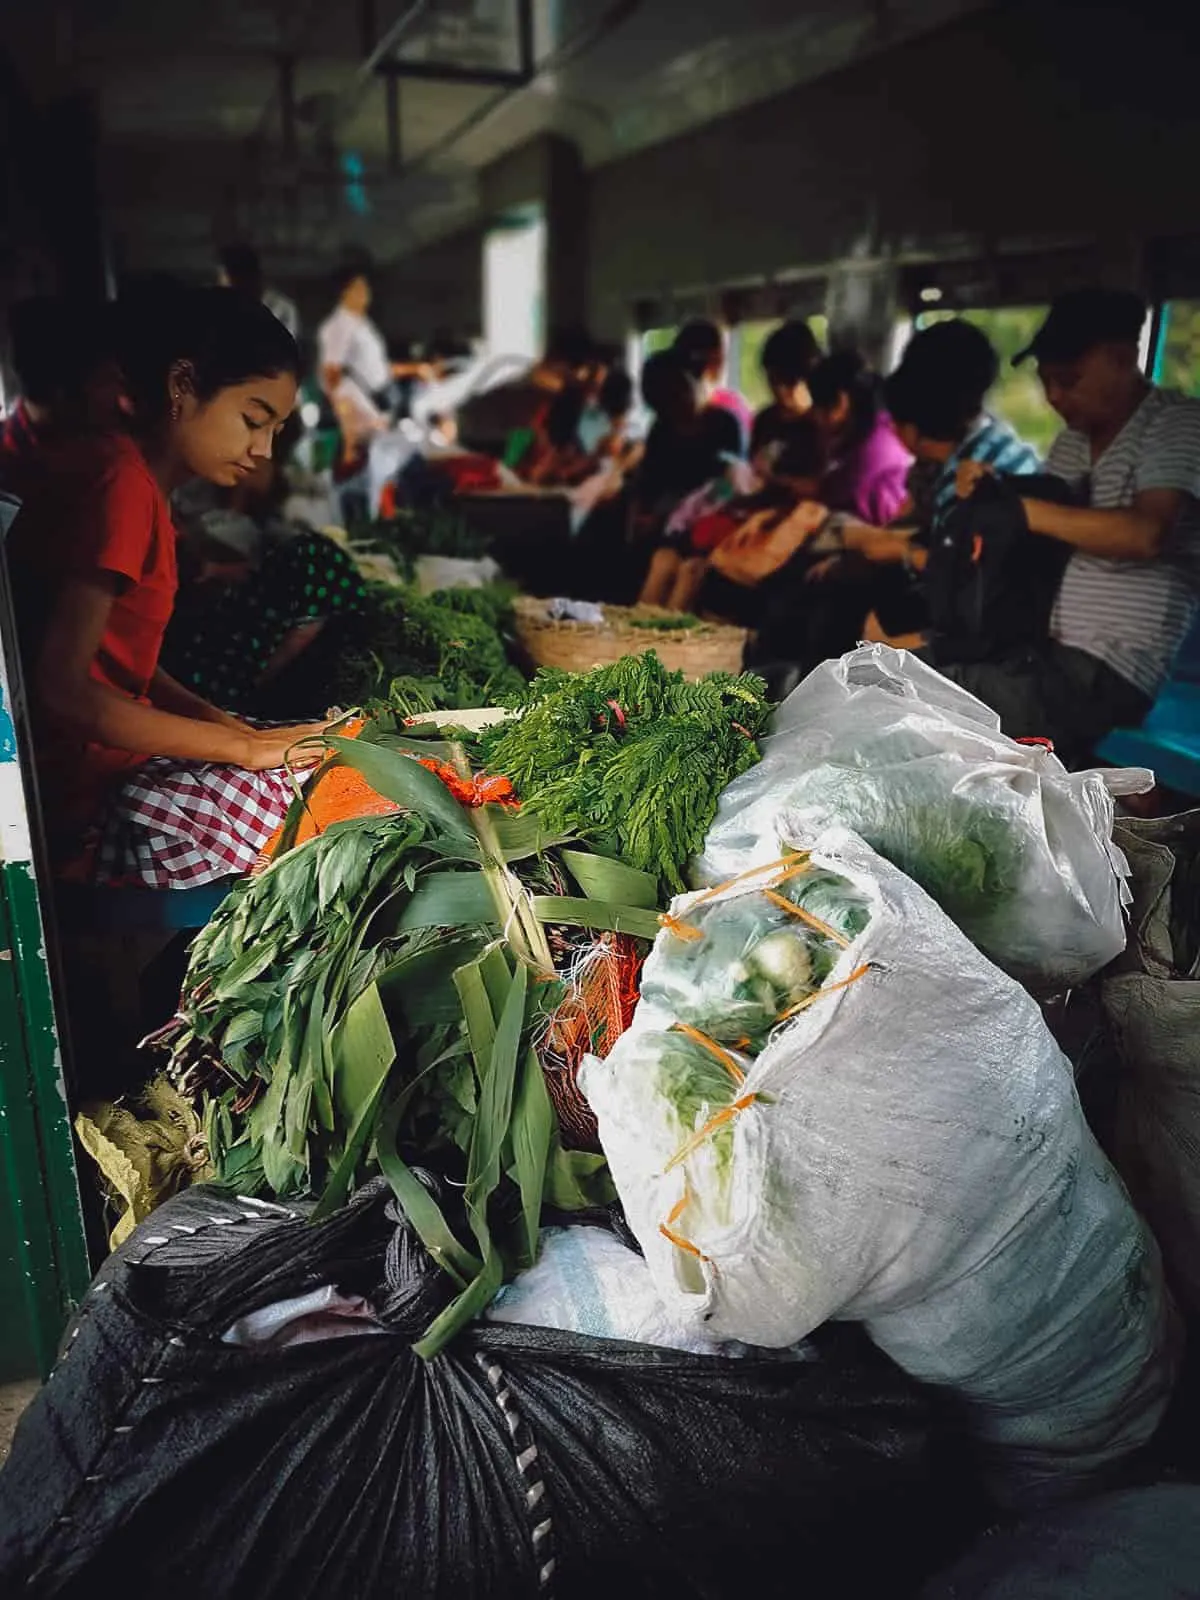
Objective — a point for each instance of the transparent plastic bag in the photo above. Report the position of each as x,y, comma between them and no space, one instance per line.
1017,850
738,963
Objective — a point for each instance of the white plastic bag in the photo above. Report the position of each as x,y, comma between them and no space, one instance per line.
909,1152
586,1281
1012,846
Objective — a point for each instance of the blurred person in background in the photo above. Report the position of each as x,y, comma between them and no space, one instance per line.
239,267
866,465
700,346
62,356
355,370
789,357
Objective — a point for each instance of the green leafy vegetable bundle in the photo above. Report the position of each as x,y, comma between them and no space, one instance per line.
629,757
371,1001
430,531
428,652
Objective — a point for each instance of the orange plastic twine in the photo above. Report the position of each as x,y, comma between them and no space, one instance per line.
701,1135
789,866
668,1231
807,918
713,1048
830,988
476,790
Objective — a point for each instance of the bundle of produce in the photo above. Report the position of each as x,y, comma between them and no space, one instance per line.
630,757
428,652
907,1150
1017,850
737,965
427,531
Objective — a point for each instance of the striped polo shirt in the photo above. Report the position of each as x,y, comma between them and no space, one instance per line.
1133,615
931,485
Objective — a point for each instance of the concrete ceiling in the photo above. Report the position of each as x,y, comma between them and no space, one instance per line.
197,136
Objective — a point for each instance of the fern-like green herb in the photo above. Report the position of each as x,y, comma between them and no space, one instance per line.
630,757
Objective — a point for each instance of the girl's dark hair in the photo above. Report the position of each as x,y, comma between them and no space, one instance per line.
616,394
942,380
790,354
845,372
664,376
696,343
224,337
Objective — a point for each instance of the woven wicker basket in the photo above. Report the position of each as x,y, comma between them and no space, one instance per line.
578,646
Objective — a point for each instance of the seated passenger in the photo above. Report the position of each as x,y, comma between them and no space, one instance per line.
868,466
61,357
1129,593
788,358
688,446
209,377
700,345
935,400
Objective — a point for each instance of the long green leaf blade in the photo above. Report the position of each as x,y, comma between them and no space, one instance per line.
552,908
532,1127
601,878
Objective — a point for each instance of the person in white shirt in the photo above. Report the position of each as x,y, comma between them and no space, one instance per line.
238,267
354,367
1130,590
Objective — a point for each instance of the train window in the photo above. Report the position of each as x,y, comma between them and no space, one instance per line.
656,339
1018,397
1177,357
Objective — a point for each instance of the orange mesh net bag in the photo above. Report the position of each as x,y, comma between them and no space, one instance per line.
602,991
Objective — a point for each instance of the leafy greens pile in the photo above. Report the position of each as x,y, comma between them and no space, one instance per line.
444,651
371,1001
630,757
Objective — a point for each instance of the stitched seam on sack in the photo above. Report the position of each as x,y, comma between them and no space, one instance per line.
529,1466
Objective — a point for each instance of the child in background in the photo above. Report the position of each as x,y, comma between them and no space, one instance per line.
700,345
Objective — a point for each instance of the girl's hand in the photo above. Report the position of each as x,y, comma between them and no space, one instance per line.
277,747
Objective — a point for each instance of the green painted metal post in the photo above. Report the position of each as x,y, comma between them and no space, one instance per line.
43,1256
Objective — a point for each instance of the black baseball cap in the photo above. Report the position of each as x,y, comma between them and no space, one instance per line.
1082,319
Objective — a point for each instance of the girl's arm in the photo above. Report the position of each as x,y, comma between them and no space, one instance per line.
102,715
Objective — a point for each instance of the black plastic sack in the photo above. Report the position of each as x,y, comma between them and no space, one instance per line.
522,1461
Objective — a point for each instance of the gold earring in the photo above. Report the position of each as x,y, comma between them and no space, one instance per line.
176,408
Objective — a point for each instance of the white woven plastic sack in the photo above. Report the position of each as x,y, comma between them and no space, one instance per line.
1012,846
911,1154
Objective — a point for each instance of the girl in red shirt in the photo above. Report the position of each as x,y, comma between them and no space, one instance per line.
209,378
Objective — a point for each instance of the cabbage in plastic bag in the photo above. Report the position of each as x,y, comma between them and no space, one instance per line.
738,964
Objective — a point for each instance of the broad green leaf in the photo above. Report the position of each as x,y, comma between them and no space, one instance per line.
448,900
363,1053
496,1097
246,968
522,835
477,1012
577,1180
474,1299
342,1177
418,986
532,1127
601,878
553,908
421,1209
400,778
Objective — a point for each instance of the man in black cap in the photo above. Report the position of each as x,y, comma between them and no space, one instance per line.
1129,593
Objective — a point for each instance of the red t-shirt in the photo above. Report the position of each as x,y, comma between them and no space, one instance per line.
96,508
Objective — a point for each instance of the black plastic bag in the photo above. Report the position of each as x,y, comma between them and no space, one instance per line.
521,1461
